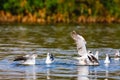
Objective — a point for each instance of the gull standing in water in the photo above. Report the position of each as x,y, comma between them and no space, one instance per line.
27,59
49,58
85,58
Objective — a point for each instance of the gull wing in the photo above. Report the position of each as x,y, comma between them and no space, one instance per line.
93,59
19,58
80,43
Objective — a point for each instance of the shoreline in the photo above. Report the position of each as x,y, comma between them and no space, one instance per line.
7,17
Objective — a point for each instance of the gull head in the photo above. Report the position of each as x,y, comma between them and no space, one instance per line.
34,55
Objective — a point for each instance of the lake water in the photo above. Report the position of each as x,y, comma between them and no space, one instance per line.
19,39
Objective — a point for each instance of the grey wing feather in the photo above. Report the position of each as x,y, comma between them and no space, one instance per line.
20,58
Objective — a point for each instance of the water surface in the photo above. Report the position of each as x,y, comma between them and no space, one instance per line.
18,40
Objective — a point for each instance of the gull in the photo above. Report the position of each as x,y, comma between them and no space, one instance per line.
27,59
85,58
117,55
49,58
107,59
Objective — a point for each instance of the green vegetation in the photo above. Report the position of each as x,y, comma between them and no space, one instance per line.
54,11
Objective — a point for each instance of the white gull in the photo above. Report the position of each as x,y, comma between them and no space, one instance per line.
27,59
117,55
49,58
107,59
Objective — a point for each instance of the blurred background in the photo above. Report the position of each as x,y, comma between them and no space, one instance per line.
60,11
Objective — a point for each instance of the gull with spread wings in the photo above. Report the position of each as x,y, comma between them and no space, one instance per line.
85,58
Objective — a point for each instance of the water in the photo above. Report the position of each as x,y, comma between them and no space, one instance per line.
18,40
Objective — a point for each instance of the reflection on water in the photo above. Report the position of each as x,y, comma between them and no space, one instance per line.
83,72
20,40
30,73
48,74
106,72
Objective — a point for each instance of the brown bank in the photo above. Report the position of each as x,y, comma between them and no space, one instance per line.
42,18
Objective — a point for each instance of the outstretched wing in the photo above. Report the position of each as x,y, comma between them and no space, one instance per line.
77,37
80,43
92,59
